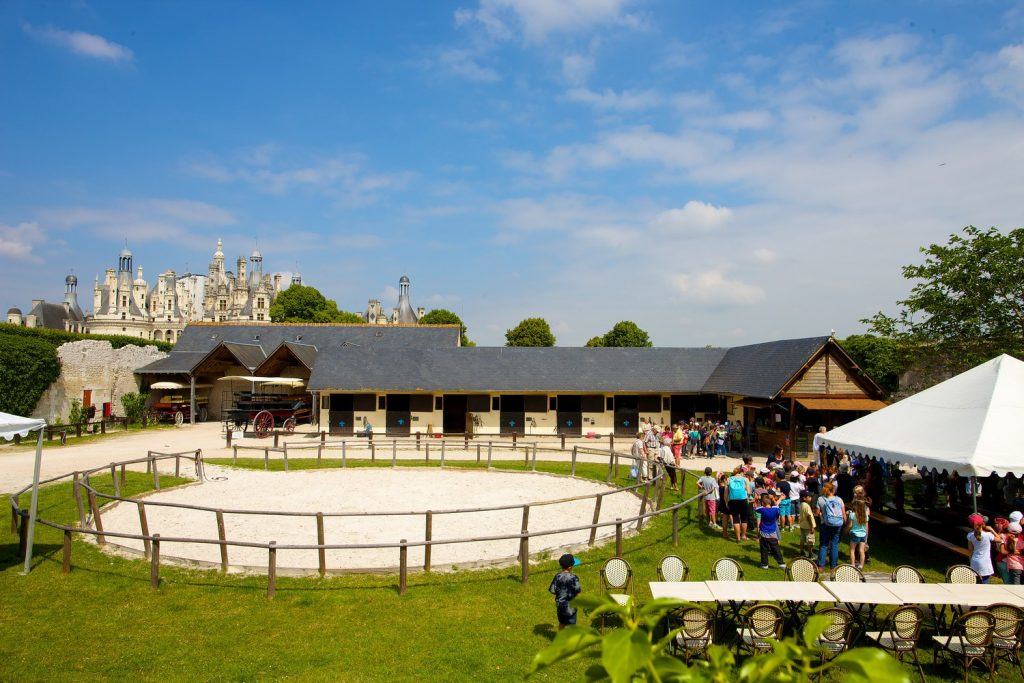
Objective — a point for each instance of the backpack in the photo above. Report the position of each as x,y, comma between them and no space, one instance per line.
832,512
737,488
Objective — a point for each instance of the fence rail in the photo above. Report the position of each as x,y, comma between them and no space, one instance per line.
91,518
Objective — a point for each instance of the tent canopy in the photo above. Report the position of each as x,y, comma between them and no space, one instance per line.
13,424
967,424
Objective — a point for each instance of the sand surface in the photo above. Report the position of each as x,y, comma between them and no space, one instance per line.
364,490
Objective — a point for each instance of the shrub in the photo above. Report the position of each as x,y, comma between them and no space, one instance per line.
27,368
75,414
58,337
134,406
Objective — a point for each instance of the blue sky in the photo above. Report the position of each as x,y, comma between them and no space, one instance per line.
720,173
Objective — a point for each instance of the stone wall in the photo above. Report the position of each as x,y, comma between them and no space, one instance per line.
97,366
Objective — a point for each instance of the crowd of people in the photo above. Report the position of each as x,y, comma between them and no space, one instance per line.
670,444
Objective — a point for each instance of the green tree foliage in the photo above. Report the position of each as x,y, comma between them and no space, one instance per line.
76,414
302,304
134,405
530,332
883,359
967,303
624,333
58,337
441,316
633,653
28,365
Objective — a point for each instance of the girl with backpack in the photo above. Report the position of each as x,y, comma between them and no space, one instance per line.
833,518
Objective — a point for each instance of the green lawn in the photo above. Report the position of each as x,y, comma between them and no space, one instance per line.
29,443
105,622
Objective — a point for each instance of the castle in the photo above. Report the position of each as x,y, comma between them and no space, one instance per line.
402,313
128,305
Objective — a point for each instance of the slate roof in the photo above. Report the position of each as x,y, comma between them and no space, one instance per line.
51,316
306,353
178,363
249,355
516,369
200,339
758,370
761,370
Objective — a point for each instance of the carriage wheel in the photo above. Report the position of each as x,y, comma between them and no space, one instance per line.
263,423
179,418
203,414
289,425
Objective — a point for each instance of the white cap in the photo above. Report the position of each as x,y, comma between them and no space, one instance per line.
1013,528
1016,516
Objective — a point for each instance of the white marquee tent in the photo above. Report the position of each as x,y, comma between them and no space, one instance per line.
969,424
11,426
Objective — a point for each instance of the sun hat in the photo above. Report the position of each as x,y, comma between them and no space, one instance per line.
975,519
1016,516
1014,528
567,560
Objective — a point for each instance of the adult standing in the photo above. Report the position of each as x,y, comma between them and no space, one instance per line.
667,459
844,482
833,517
818,444
736,497
979,542
638,451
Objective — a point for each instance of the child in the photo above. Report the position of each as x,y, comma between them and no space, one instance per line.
808,525
565,586
708,487
858,521
979,542
1014,560
768,531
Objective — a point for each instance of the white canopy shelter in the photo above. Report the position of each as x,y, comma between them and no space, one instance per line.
11,426
969,424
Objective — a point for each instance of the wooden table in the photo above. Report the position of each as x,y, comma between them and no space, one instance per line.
799,598
921,593
861,599
691,591
981,595
736,594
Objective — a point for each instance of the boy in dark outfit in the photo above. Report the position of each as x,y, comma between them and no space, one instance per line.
565,586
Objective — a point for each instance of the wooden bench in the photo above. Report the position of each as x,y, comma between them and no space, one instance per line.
884,520
936,541
918,517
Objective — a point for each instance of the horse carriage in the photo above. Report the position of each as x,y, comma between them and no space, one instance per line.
264,413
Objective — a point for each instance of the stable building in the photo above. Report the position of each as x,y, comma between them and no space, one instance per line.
781,391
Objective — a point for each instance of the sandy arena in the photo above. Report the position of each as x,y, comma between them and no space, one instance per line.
370,489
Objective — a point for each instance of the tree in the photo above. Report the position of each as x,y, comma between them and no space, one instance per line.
530,332
441,316
968,302
301,304
883,359
624,333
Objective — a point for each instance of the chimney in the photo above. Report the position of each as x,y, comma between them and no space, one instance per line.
277,282
36,302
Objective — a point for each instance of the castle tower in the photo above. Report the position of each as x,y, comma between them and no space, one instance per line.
404,313
124,261
71,296
256,268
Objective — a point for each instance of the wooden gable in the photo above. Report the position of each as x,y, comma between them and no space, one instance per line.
831,372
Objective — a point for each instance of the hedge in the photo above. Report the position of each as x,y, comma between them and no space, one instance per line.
58,337
27,367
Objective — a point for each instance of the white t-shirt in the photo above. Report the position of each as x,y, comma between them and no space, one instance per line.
816,443
795,489
981,553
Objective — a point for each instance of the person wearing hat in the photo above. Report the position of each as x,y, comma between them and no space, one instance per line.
1012,546
565,586
979,542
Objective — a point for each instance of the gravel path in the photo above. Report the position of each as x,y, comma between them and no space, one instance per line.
370,489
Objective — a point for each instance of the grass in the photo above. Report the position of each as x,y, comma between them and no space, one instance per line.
103,621
29,443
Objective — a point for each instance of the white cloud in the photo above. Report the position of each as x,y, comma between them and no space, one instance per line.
576,68
81,43
19,241
466,65
765,255
694,216
275,172
536,19
626,100
1005,73
715,287
167,220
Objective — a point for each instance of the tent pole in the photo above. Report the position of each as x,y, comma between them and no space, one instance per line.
974,492
34,504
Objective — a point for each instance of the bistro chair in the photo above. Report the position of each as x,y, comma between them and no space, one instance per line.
759,627
835,639
847,573
802,569
1008,634
900,634
673,568
697,628
970,640
726,569
617,579
961,573
906,574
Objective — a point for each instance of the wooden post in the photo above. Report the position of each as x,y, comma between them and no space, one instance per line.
78,429
478,453
403,567
77,491
618,537
97,521
611,441
524,545
144,526
266,458
373,452
661,491
417,441
608,477
23,535
534,467
321,552
615,458
154,563
272,570
489,446
394,451
234,454
643,505
675,526
323,436
524,526
113,478
572,467
156,475
562,437
319,452
177,466
275,439
514,441
428,536
65,566
344,462
124,476
442,452
14,520
227,436
466,441
103,426
222,536
428,452
284,454
597,518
